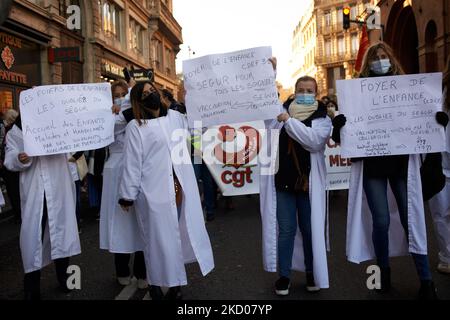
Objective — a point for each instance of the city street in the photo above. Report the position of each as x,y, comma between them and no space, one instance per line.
236,241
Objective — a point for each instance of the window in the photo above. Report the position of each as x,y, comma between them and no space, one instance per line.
111,19
339,15
355,43
168,60
327,17
353,11
136,36
157,54
327,47
341,45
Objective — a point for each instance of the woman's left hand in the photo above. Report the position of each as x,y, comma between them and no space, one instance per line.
283,117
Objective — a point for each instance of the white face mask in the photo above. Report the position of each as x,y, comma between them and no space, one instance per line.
332,109
381,66
119,101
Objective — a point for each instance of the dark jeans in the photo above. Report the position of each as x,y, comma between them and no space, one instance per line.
209,186
122,260
78,200
376,193
32,280
291,206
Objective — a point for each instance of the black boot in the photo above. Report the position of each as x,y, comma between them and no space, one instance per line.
32,285
385,280
155,292
427,290
174,293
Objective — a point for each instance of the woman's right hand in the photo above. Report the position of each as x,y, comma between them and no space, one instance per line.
273,61
23,158
115,109
339,121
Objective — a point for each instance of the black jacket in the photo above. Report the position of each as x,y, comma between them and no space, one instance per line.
287,174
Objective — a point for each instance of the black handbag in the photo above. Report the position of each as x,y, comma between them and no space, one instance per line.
431,175
302,182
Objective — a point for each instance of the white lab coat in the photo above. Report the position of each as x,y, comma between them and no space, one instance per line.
313,139
49,175
359,244
440,207
119,232
148,181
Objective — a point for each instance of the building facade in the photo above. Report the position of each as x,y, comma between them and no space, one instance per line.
38,48
329,51
418,31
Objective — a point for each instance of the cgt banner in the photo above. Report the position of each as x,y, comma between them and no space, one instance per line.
338,168
231,154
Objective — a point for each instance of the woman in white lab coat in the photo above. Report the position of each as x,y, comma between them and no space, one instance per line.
49,227
173,228
292,199
119,231
386,221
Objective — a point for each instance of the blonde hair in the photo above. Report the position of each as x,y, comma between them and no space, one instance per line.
119,83
10,116
370,55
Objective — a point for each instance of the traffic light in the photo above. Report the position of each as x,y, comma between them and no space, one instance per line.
346,18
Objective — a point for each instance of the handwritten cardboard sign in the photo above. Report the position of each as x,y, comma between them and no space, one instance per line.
66,118
391,115
231,87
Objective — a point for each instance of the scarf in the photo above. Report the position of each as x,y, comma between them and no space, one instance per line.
302,111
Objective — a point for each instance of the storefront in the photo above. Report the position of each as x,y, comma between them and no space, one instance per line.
20,66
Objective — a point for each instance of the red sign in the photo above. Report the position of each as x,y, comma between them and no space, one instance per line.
64,54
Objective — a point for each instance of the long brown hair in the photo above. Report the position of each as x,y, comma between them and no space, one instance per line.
396,67
446,83
141,113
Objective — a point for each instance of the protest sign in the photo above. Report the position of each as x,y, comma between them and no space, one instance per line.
231,87
231,154
66,118
391,115
338,168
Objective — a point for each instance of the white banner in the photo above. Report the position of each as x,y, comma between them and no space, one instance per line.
66,118
338,168
231,154
391,115
231,87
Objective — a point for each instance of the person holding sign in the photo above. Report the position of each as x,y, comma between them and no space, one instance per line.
119,232
163,191
371,175
293,199
49,226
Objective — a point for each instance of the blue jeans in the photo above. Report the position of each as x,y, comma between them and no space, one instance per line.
289,207
209,187
376,193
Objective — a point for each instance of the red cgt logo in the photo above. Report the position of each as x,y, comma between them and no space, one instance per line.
240,157
8,57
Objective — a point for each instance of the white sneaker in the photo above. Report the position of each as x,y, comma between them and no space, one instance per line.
142,284
124,281
443,267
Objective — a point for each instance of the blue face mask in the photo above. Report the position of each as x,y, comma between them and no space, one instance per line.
381,66
305,98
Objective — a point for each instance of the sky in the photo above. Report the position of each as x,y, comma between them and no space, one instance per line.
219,26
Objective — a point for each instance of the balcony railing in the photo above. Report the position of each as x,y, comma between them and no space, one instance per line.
334,58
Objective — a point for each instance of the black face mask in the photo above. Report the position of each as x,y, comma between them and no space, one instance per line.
152,101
